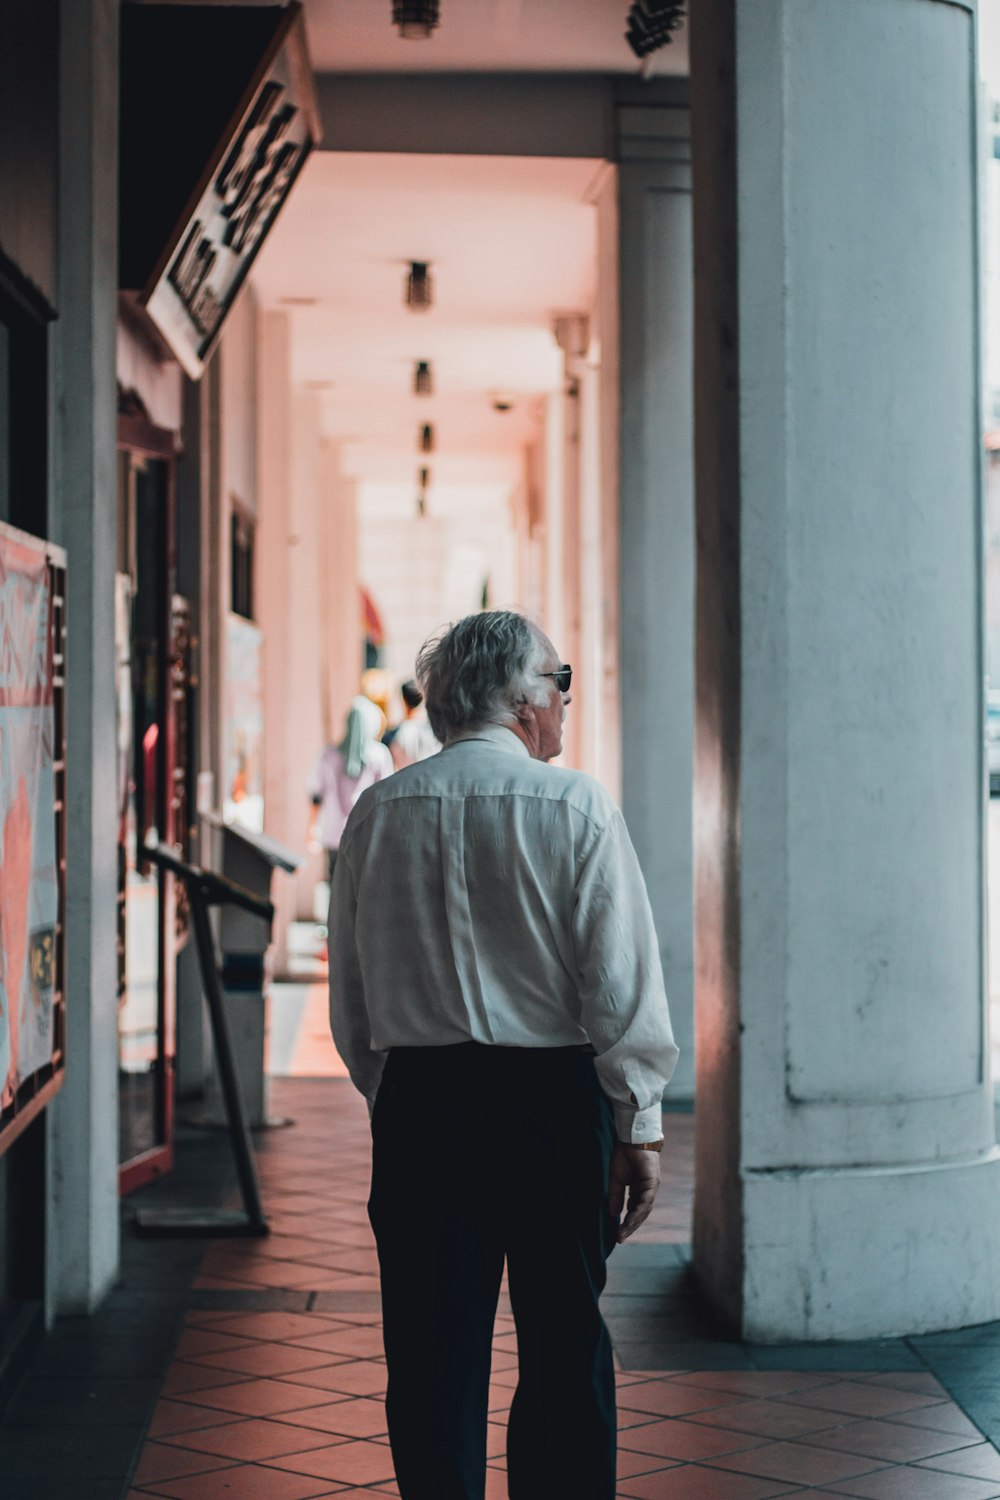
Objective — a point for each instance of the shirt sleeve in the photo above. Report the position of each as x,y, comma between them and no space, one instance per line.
348,1012
623,1002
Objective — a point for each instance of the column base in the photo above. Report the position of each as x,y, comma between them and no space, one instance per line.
871,1253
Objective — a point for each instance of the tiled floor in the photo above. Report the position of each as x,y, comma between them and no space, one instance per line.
275,1390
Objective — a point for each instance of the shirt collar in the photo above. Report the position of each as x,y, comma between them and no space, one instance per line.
495,734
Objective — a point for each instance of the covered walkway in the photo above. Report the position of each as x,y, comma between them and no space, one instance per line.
253,1369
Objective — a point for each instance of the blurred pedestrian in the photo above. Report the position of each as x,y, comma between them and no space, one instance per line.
496,994
344,771
412,739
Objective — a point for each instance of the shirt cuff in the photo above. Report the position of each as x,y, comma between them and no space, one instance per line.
636,1126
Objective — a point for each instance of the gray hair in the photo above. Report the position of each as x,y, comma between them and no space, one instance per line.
478,670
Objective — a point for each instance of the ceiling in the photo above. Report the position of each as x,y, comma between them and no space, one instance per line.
476,36
511,242
484,36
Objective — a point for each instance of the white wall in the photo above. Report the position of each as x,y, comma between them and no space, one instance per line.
424,572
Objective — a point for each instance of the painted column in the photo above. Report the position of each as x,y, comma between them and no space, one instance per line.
656,535
83,1119
848,1180
339,591
273,584
303,676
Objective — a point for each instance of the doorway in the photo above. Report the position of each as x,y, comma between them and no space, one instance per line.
151,744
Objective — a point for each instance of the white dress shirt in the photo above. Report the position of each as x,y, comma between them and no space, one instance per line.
485,896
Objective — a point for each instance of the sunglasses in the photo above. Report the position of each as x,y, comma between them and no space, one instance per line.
562,677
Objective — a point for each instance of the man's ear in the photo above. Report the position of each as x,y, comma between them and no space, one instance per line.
522,711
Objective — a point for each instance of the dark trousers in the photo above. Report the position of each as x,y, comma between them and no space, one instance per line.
482,1154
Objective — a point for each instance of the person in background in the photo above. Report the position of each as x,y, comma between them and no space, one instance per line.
412,739
496,995
344,771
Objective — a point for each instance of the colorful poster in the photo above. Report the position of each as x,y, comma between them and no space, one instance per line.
29,886
243,726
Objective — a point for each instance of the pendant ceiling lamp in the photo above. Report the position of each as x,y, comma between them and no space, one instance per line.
423,378
650,23
416,19
419,293
424,478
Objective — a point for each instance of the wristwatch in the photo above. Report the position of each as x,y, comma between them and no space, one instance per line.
645,1145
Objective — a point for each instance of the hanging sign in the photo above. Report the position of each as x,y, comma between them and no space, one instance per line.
250,171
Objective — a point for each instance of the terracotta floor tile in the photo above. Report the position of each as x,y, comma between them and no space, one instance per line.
251,1441
289,1247
354,1463
161,1461
947,1417
284,1274
181,1378
246,1482
361,1341
279,1326
261,1398
981,1461
355,1377
696,1483
195,1342
668,1398
908,1380
331,1256
862,1400
352,1417
798,1463
500,1396
265,1359
203,1318
631,1464
890,1441
220,1284
496,1485
343,1281
180,1416
685,1440
496,1440
771,1419
909,1483
756,1384
357,1260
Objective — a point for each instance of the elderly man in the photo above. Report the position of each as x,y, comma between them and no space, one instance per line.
495,991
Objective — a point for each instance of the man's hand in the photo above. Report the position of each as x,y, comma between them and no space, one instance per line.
639,1173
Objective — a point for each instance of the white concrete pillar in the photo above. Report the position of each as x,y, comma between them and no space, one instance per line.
274,438
848,1181
607,319
83,1119
304,670
341,641
553,489
656,532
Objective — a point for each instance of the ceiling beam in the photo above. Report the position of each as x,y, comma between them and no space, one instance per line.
485,114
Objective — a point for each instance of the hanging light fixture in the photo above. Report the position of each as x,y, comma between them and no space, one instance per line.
424,478
419,293
416,19
423,378
650,23
425,442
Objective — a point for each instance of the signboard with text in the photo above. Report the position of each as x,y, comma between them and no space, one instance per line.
243,174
